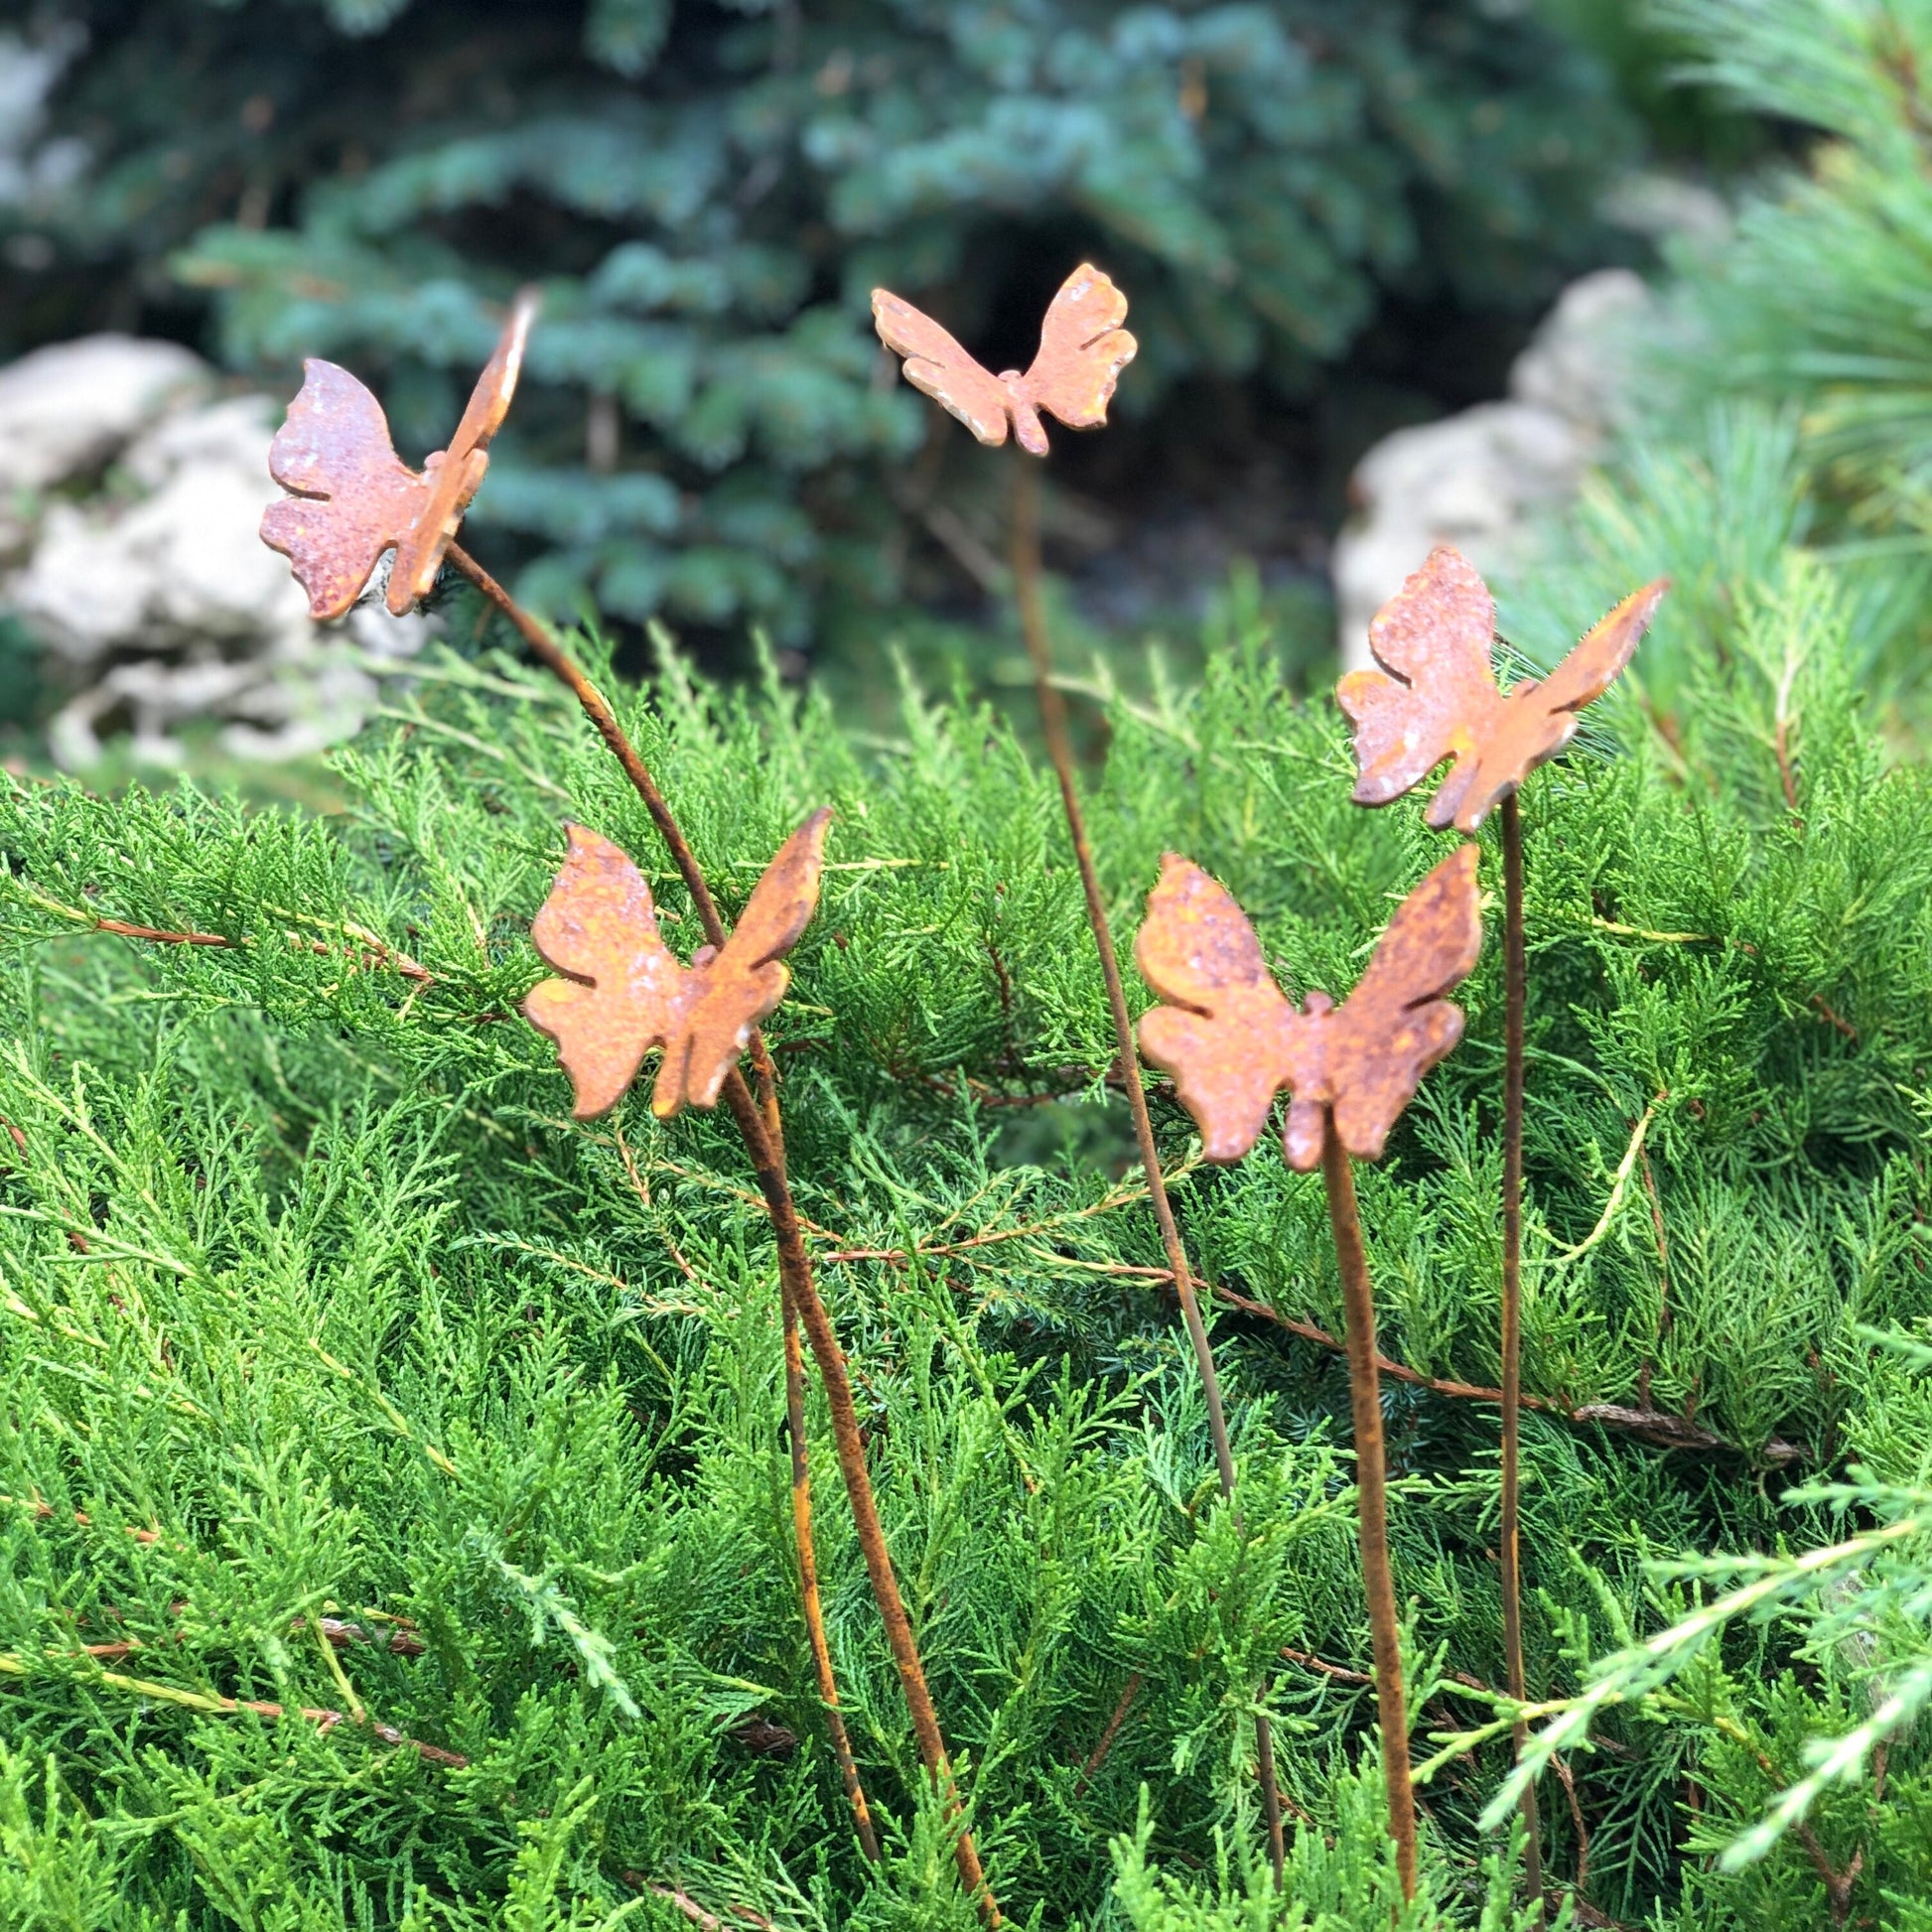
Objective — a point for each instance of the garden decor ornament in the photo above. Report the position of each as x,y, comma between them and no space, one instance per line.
1231,1041
623,991
1082,350
351,497
1436,696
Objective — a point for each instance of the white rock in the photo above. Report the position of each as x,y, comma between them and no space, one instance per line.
67,410
1578,362
1476,478
168,601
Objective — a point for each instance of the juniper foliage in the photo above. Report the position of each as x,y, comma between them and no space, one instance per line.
323,1325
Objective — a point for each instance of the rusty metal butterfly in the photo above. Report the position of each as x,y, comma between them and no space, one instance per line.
1231,1041
624,992
351,497
1082,350
1436,696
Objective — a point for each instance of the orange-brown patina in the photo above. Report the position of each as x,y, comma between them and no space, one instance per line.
1231,1041
351,497
1082,350
624,993
1436,696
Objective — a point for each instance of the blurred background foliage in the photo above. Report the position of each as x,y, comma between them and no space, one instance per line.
1331,217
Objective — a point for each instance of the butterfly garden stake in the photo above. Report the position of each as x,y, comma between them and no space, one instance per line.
1231,1041
1082,350
1435,699
352,500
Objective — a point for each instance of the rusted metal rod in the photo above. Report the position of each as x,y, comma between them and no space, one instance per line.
801,1524
757,1126
1515,1002
795,1269
597,708
1053,718
1371,1500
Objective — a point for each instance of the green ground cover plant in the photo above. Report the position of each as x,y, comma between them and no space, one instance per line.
398,1524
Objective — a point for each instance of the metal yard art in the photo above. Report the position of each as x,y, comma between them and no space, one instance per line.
352,498
1231,1040
1435,700
1082,350
1222,1029
622,991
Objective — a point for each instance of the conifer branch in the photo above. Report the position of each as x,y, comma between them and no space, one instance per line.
211,1703
373,951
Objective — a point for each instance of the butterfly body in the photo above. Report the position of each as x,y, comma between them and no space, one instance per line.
624,993
1231,1040
1082,350
351,497
1435,698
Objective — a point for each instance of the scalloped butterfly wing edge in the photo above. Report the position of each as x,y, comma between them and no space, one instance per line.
1436,689
455,473
1220,1031
1367,1058
1082,350
620,990
350,497
744,982
1539,717
936,366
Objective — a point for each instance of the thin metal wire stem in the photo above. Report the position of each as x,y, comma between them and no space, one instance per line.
756,1123
795,1269
1371,1500
1515,1004
1053,718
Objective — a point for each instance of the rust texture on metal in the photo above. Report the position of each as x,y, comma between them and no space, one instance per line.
1231,1041
351,497
1082,350
1371,1496
623,991
1436,695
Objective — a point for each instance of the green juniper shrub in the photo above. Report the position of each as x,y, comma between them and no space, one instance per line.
319,1314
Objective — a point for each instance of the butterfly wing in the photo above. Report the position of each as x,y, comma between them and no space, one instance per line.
623,991
1435,693
351,497
1537,720
1396,1025
1221,1029
1082,350
940,369
455,473
748,978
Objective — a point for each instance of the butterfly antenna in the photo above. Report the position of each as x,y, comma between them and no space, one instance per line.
1053,718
